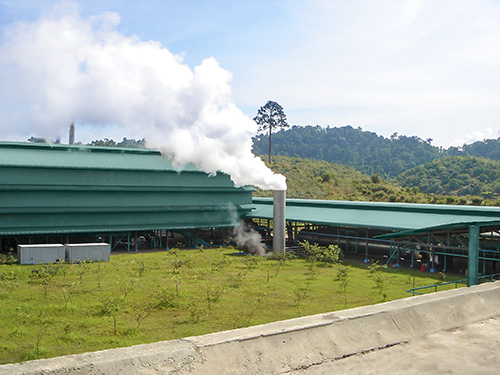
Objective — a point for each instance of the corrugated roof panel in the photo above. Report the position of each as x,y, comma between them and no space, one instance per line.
83,157
392,216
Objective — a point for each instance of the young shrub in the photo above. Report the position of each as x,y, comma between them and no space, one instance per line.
281,258
165,299
379,278
251,261
235,281
179,264
316,253
342,274
141,313
299,295
213,294
218,265
8,258
250,309
8,281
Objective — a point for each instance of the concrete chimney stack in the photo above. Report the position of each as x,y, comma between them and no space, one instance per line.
72,134
279,204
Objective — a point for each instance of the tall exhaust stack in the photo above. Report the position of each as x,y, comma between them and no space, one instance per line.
72,134
279,204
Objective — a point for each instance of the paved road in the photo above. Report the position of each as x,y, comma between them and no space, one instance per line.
470,350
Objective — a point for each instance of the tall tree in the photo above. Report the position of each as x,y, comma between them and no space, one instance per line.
270,116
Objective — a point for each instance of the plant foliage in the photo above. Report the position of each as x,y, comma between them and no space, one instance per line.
269,117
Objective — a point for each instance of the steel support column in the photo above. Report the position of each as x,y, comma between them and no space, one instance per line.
473,255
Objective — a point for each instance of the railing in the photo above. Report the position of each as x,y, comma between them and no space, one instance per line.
413,291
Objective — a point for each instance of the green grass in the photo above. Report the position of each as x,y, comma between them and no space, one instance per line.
53,310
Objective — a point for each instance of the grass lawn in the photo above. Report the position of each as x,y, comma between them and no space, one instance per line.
58,309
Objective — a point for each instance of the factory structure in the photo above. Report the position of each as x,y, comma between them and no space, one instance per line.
74,195
63,194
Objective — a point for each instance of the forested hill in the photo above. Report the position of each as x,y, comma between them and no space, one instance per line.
456,175
318,179
363,150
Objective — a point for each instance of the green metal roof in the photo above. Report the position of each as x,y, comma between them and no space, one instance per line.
441,228
45,155
379,215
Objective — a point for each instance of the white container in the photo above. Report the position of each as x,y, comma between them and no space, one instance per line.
42,253
80,252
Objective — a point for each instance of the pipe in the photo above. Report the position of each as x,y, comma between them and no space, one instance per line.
279,204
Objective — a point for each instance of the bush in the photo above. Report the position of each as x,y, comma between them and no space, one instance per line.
477,201
7,258
316,253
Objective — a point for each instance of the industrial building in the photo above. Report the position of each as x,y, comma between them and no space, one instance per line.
52,193
463,238
63,194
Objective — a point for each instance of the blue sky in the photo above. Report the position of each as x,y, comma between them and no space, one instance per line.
417,67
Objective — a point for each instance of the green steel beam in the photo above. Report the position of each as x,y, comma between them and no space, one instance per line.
473,258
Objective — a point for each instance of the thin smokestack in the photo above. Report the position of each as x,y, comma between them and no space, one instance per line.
279,204
72,134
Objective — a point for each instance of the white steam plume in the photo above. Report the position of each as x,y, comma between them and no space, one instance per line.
63,68
245,235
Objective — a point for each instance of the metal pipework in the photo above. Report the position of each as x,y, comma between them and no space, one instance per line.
279,204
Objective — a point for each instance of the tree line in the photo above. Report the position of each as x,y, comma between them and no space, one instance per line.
457,176
366,151
106,142
363,150
318,179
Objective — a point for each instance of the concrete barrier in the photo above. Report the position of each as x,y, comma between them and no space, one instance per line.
288,345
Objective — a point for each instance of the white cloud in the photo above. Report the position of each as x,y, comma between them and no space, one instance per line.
427,68
64,68
423,68
480,135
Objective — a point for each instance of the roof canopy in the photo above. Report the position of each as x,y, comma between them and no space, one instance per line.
47,155
401,217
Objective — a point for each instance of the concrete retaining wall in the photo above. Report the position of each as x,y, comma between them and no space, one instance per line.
285,346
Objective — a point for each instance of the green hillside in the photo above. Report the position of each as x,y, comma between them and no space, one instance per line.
366,151
457,176
318,179
363,150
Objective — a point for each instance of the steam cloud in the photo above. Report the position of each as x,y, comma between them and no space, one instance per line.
245,235
63,68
